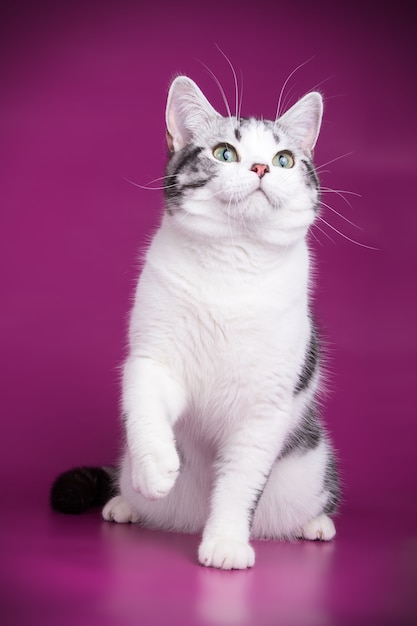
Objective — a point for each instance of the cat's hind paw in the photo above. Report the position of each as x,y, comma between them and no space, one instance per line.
119,510
226,553
321,528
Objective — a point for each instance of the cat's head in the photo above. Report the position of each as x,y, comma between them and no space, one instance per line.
229,176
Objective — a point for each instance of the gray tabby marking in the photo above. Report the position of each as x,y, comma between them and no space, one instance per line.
196,171
332,485
306,436
311,177
310,363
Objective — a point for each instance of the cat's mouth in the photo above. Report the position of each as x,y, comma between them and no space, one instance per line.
256,205
260,190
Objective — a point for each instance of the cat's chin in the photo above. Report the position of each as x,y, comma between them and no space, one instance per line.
255,217
259,198
257,214
253,209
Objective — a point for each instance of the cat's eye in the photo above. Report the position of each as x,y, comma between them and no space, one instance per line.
225,153
283,159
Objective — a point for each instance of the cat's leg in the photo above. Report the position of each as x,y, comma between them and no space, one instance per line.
301,493
243,469
152,402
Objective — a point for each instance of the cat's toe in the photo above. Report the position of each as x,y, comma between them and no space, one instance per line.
226,553
154,475
320,528
119,510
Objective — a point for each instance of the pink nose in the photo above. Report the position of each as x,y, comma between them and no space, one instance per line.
260,169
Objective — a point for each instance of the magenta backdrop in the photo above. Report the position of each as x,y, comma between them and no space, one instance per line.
82,101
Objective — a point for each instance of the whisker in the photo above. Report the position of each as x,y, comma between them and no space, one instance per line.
313,234
340,215
216,80
185,214
234,78
358,243
342,156
148,188
286,83
241,96
287,99
213,195
340,192
325,80
323,232
155,180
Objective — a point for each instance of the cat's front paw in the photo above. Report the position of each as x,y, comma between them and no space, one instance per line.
154,474
119,510
225,553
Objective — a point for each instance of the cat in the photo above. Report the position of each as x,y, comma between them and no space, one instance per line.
220,386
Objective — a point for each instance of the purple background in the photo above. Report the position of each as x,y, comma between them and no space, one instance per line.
82,96
83,89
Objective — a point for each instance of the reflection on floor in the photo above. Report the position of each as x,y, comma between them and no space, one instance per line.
66,571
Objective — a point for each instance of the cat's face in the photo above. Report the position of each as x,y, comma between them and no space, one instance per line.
229,176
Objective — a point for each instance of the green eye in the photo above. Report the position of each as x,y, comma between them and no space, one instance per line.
225,153
283,159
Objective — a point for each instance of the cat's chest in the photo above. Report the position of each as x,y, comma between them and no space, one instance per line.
209,332
216,314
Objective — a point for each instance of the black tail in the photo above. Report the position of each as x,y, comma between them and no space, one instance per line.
83,488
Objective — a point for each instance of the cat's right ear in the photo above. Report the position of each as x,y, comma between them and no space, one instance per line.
188,113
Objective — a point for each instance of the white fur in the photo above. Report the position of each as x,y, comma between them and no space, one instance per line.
218,336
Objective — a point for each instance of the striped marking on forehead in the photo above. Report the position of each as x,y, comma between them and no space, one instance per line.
253,122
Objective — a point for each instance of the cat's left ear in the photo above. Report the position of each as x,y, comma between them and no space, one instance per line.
303,120
188,112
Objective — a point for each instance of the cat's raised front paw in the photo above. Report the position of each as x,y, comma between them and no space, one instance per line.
154,474
119,510
226,553
319,529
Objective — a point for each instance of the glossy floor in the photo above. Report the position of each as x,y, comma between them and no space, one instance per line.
67,571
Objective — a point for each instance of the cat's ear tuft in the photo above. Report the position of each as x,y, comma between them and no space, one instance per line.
303,120
188,112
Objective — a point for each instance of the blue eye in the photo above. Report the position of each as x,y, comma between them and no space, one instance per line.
283,159
225,153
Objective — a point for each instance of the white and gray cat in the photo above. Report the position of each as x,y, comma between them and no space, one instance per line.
220,384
